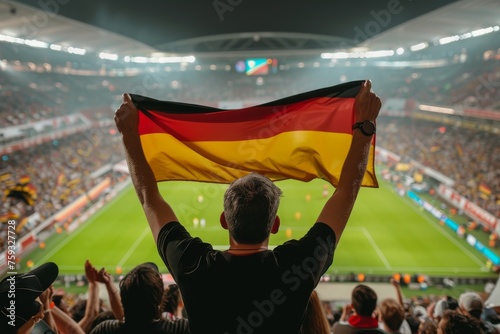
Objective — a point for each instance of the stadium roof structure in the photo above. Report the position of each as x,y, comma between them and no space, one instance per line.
273,42
454,19
31,23
42,22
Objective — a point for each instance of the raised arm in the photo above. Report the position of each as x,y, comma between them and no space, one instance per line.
399,293
338,208
158,212
113,293
65,324
46,299
92,307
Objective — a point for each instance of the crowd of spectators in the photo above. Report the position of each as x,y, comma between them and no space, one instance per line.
144,301
471,85
469,157
30,96
430,315
58,171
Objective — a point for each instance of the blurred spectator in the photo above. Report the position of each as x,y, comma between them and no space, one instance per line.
172,304
427,327
315,321
436,309
391,315
101,317
489,287
472,305
332,315
141,291
453,322
410,323
358,317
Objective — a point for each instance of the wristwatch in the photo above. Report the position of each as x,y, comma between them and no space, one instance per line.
368,128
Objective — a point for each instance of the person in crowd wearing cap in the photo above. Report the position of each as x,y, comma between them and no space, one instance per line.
20,306
141,291
358,317
30,325
436,309
257,289
454,322
419,313
471,304
443,304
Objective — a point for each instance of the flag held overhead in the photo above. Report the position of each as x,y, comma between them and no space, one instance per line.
301,137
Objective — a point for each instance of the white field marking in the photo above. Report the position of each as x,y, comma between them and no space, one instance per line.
134,246
80,228
438,228
65,241
377,249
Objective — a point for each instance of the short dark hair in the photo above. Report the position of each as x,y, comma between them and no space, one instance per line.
141,291
457,323
250,207
452,302
364,300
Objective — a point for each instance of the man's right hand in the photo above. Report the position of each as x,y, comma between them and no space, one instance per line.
127,116
366,104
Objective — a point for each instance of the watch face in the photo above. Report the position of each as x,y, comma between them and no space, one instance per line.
368,127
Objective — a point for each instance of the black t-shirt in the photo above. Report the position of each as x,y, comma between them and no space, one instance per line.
266,292
178,326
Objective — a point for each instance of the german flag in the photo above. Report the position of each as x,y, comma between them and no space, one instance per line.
301,137
23,192
5,176
485,189
25,179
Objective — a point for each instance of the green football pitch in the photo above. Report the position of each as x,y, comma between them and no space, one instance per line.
386,234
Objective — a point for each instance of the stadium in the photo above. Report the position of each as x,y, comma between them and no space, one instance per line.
433,222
